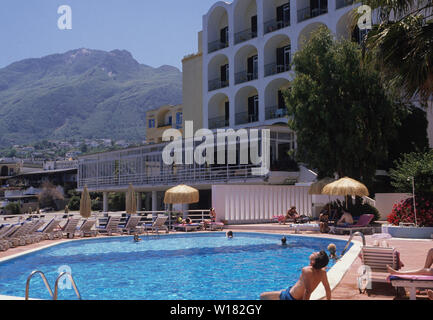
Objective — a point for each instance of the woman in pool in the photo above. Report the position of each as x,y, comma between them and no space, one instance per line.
310,278
136,238
229,234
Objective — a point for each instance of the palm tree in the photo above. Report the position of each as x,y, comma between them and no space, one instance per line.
402,44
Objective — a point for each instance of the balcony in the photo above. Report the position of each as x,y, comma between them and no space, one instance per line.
216,45
245,35
218,122
245,76
273,68
245,117
165,125
343,3
308,13
275,112
217,84
274,25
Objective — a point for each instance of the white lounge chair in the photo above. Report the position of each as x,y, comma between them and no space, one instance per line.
412,282
377,259
86,228
71,227
20,236
52,230
111,227
131,224
159,223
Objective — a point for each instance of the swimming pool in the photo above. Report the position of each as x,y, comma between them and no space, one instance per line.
205,266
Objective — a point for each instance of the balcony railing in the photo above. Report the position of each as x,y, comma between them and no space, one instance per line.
273,25
308,13
165,124
216,45
275,112
245,117
168,175
245,35
273,68
217,84
218,122
245,76
343,3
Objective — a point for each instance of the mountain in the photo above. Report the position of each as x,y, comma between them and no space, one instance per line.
82,93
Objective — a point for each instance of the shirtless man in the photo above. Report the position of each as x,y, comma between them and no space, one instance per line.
310,278
346,219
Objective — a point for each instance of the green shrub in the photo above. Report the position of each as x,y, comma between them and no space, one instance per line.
74,203
13,208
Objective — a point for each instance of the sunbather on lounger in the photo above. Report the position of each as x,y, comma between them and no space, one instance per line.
310,278
430,294
426,271
345,220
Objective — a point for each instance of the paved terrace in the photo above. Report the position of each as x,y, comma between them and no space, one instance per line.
413,254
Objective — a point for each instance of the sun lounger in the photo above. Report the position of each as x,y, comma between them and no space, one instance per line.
52,230
187,226
5,231
361,225
297,227
215,226
131,224
21,235
70,227
378,258
412,282
111,227
86,229
159,223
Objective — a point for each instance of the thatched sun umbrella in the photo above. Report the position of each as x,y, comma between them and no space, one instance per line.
181,194
346,187
85,203
131,201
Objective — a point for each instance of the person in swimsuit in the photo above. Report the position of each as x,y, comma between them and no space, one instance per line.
284,241
345,220
311,277
229,234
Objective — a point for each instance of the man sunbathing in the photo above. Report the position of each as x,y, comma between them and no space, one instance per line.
426,271
310,278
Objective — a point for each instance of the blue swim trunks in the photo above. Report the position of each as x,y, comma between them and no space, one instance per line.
285,295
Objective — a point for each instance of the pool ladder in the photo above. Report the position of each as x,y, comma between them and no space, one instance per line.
358,233
56,285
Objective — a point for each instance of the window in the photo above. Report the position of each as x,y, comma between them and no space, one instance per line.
179,118
224,36
151,123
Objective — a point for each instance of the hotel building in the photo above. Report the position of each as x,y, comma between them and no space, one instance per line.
235,80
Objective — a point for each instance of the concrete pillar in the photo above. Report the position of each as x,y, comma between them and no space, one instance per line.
139,205
154,200
147,201
105,201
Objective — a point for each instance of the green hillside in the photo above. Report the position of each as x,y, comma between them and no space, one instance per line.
82,94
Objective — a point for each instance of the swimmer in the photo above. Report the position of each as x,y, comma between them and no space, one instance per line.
229,234
332,251
136,238
283,241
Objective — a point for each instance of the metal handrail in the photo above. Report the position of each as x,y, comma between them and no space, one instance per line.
43,278
73,285
357,233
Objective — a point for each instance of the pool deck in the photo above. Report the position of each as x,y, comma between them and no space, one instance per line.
412,252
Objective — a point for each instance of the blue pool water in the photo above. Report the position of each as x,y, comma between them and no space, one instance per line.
182,266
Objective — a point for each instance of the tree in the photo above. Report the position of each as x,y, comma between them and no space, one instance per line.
49,195
340,111
402,44
417,165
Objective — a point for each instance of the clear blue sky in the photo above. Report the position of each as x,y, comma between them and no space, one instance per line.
155,32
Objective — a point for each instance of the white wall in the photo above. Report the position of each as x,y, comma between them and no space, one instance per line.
386,201
258,203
